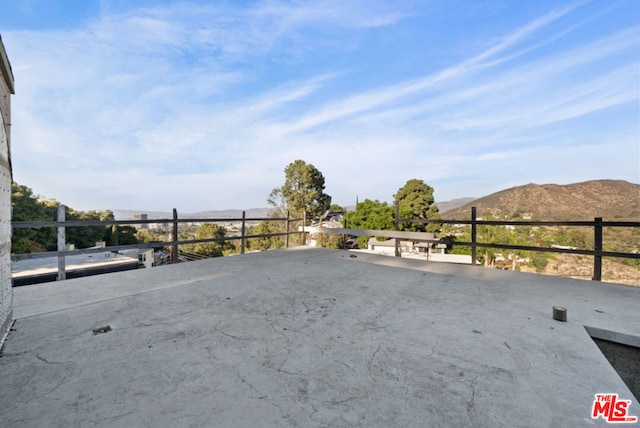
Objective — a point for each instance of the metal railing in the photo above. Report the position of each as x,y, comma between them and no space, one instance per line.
61,224
597,224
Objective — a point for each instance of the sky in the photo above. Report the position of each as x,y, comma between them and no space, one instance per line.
200,105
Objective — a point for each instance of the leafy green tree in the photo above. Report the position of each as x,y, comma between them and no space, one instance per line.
212,249
267,242
417,202
147,236
492,235
451,239
87,236
127,235
303,189
27,206
573,238
372,215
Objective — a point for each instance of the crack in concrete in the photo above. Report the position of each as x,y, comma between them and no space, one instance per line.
231,335
471,406
433,350
373,356
346,400
44,360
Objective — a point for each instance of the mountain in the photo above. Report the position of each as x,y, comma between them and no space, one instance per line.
129,214
609,199
249,213
446,206
156,215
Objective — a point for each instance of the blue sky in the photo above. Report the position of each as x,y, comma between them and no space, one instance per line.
200,105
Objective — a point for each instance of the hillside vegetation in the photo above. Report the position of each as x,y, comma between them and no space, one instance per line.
610,199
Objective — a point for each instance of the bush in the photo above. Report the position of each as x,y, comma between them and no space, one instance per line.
540,261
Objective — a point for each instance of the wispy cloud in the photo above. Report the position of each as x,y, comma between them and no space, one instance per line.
187,103
381,97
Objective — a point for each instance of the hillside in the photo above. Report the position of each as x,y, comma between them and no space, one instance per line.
446,206
609,199
581,267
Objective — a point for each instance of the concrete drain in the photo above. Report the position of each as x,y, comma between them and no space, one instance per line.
100,330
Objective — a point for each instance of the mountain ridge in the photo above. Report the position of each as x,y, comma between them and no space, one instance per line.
447,206
124,214
609,199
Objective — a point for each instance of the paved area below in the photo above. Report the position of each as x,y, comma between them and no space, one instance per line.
34,271
313,337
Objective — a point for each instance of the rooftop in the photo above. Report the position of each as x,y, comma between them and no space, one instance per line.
33,271
313,337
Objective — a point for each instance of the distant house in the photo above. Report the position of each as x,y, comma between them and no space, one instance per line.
146,258
430,251
384,247
332,216
389,246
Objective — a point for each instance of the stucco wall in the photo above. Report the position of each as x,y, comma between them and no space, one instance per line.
6,292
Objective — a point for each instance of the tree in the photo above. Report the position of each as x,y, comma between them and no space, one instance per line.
212,249
371,215
27,206
303,189
127,235
491,235
278,203
266,242
147,236
417,202
87,236
278,210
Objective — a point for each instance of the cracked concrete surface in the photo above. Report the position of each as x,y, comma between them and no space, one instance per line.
312,337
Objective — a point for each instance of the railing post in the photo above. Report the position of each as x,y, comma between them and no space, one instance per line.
397,225
597,246
474,258
62,243
344,236
304,223
244,217
286,239
174,238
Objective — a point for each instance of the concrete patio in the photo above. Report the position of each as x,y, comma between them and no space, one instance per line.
312,337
